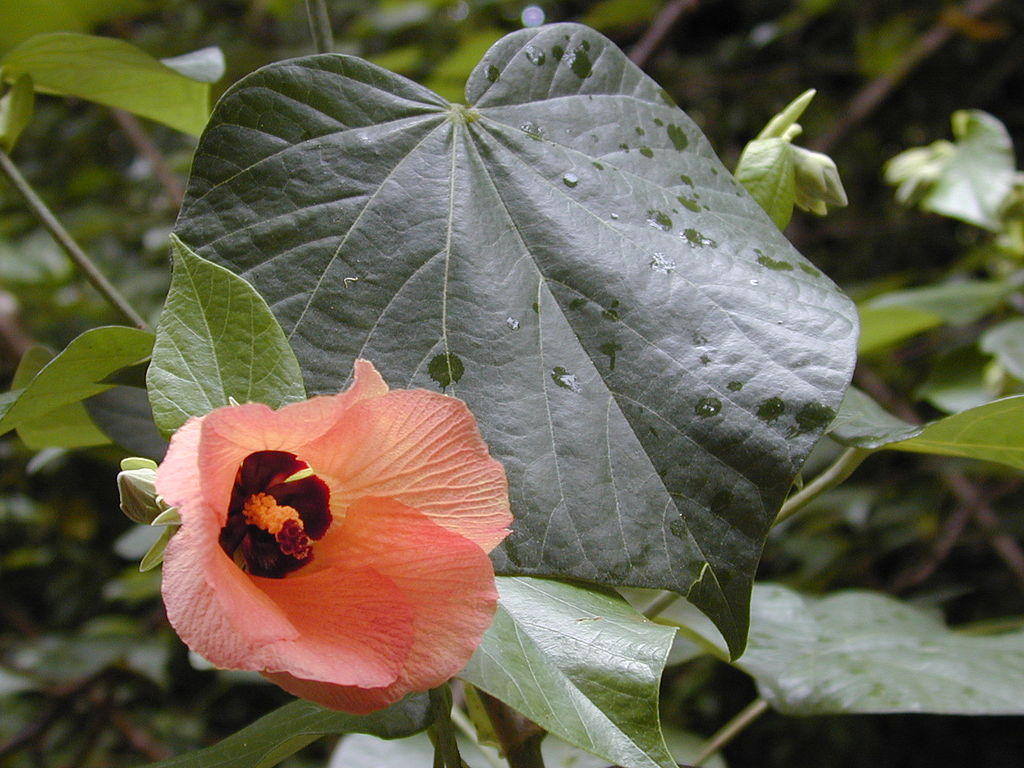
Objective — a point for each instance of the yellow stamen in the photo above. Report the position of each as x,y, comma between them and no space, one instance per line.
263,511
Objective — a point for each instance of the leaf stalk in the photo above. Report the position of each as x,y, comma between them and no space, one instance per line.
732,729
320,26
841,469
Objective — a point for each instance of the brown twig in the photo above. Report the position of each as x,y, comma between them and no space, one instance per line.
871,96
519,738
951,532
140,741
968,494
662,24
132,128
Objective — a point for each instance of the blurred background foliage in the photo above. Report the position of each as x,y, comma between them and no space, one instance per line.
90,675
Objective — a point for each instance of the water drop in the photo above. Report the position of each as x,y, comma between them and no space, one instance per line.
734,386
810,270
767,261
705,359
677,136
677,527
659,220
597,165
755,281
610,348
512,323
446,369
707,406
771,409
692,205
532,130
612,313
646,151
493,73
577,303
614,215
639,131
686,179
535,55
662,263
580,63
558,52
658,121
696,240
813,417
564,379
624,147
570,180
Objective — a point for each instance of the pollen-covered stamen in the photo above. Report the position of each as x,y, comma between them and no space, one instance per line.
263,511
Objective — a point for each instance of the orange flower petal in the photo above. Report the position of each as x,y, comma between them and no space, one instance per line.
447,579
423,449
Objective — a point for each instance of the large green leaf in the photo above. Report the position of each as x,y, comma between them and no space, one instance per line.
285,731
866,652
583,665
25,18
75,374
110,72
645,353
216,340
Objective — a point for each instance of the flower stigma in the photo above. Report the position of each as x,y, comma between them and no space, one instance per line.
278,508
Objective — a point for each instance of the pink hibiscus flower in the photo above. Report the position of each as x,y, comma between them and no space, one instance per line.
338,545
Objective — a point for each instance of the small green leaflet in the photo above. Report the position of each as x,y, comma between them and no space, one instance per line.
216,341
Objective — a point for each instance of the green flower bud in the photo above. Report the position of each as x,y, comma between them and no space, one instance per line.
136,485
817,181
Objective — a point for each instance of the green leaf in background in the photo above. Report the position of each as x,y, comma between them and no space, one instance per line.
645,353
867,652
958,380
885,327
68,426
1006,342
993,432
583,665
968,179
285,731
216,340
15,111
75,374
125,416
22,19
110,72
893,317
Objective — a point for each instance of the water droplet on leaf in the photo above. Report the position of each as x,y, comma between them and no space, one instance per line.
771,409
647,152
697,240
707,406
659,220
512,323
677,136
446,369
564,379
662,263
535,55
493,73
570,180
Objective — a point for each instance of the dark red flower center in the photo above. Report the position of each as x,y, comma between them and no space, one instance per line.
278,509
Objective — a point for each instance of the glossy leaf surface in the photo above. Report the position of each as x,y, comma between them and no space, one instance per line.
645,353
216,340
583,665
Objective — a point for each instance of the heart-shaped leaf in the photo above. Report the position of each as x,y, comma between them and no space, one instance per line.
645,353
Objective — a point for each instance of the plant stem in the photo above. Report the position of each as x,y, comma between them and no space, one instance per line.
466,729
841,469
320,25
730,730
660,602
519,738
67,243
446,749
